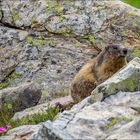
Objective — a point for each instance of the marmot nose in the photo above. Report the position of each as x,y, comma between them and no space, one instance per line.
125,51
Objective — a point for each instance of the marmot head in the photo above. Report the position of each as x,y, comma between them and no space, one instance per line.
117,50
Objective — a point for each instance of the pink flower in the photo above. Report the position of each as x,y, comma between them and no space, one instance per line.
4,129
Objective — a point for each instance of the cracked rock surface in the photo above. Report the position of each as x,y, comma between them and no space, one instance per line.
115,117
48,41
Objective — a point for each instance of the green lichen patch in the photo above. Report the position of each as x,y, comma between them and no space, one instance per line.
39,41
16,16
129,84
136,52
33,19
65,30
55,7
115,121
91,39
78,44
131,15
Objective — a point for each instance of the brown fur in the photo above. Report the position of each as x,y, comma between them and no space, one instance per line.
96,71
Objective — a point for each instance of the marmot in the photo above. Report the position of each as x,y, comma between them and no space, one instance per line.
93,73
96,71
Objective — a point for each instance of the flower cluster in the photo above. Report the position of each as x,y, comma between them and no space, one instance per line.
4,129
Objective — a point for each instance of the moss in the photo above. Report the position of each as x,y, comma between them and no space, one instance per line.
115,121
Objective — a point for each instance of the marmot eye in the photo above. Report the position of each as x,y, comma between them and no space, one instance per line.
115,47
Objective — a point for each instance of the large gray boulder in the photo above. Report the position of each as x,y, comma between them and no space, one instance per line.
101,120
118,112
21,97
127,79
48,42
104,20
107,119
24,132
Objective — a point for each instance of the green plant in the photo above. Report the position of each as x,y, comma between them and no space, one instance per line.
7,80
6,113
4,85
135,3
36,118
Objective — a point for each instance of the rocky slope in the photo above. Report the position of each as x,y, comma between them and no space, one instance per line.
115,117
46,42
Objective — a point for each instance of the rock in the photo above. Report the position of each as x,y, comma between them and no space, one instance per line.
21,97
47,42
101,120
21,133
127,79
42,108
23,35
115,112
30,111
49,61
129,131
104,21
